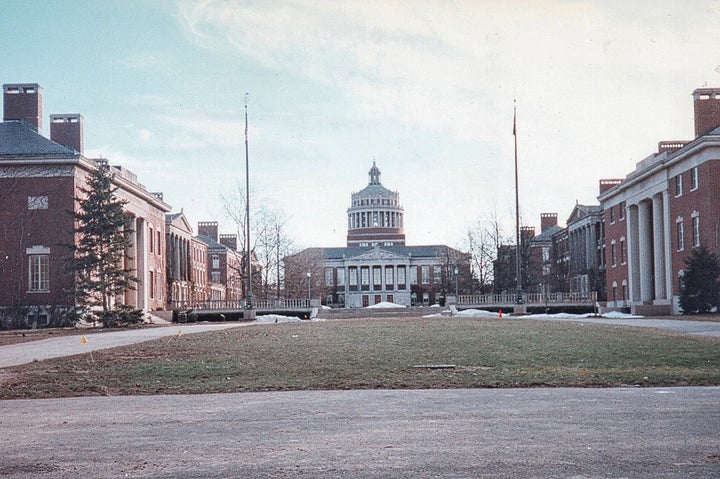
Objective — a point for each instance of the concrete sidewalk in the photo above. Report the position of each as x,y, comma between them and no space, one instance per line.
702,328
30,351
658,433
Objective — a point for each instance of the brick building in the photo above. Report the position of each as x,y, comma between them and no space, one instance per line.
660,211
376,265
187,262
39,180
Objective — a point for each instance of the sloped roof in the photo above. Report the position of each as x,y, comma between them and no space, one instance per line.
430,251
19,139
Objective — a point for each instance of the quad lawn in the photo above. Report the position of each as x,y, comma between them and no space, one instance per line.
415,353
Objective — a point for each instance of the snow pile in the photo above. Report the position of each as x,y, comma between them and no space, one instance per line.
477,313
275,318
619,315
385,305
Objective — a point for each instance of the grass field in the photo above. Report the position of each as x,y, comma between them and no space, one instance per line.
374,353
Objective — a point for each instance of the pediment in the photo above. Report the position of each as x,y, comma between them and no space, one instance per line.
377,254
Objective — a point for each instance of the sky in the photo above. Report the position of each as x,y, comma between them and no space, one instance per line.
426,88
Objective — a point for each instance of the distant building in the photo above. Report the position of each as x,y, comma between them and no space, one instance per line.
40,179
187,262
659,212
376,265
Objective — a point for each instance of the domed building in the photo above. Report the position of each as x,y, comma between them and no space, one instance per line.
375,215
377,266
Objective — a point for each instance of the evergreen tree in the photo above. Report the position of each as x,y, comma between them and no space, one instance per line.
701,289
102,232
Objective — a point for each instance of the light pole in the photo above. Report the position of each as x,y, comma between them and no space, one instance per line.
249,295
456,282
309,275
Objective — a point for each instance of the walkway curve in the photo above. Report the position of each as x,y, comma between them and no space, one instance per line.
23,353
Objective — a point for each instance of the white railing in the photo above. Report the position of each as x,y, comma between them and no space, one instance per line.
530,298
216,304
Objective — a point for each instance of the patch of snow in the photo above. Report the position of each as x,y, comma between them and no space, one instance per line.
477,313
275,318
619,315
385,304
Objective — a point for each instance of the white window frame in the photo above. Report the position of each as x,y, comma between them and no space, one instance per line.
696,229
694,180
680,232
39,273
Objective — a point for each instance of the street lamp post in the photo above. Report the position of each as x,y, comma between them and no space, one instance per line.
456,282
309,276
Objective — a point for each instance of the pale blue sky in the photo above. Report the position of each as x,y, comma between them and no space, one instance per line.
424,87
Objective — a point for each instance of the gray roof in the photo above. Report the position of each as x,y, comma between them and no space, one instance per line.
17,138
431,251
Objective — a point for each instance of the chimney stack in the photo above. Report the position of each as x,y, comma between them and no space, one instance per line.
67,130
229,241
209,229
548,220
609,183
23,101
707,110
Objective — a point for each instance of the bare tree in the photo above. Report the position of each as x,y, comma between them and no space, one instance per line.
269,241
305,274
483,242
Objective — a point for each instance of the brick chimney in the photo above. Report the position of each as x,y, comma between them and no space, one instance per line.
548,220
527,233
67,130
707,110
209,229
609,183
229,241
23,101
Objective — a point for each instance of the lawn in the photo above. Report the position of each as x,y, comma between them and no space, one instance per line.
380,353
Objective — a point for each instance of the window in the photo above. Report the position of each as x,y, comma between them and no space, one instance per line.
158,250
329,277
678,185
622,250
613,253
437,278
413,275
353,277
389,276
612,214
401,275
152,241
215,276
341,277
39,272
377,276
696,229
159,285
37,202
152,284
215,261
680,235
425,272
621,211
365,276
694,179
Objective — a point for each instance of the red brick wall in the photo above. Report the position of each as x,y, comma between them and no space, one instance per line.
22,228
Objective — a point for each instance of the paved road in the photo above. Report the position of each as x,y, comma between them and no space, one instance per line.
528,433
28,352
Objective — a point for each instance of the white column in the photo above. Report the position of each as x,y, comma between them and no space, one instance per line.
645,244
667,247
633,254
659,245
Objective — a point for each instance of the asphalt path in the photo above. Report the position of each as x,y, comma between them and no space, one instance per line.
527,433
23,353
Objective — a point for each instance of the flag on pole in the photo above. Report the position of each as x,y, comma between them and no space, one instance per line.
514,122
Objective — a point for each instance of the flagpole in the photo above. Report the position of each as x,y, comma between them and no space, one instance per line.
248,259
518,276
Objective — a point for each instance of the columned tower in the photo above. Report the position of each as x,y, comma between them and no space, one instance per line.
375,216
